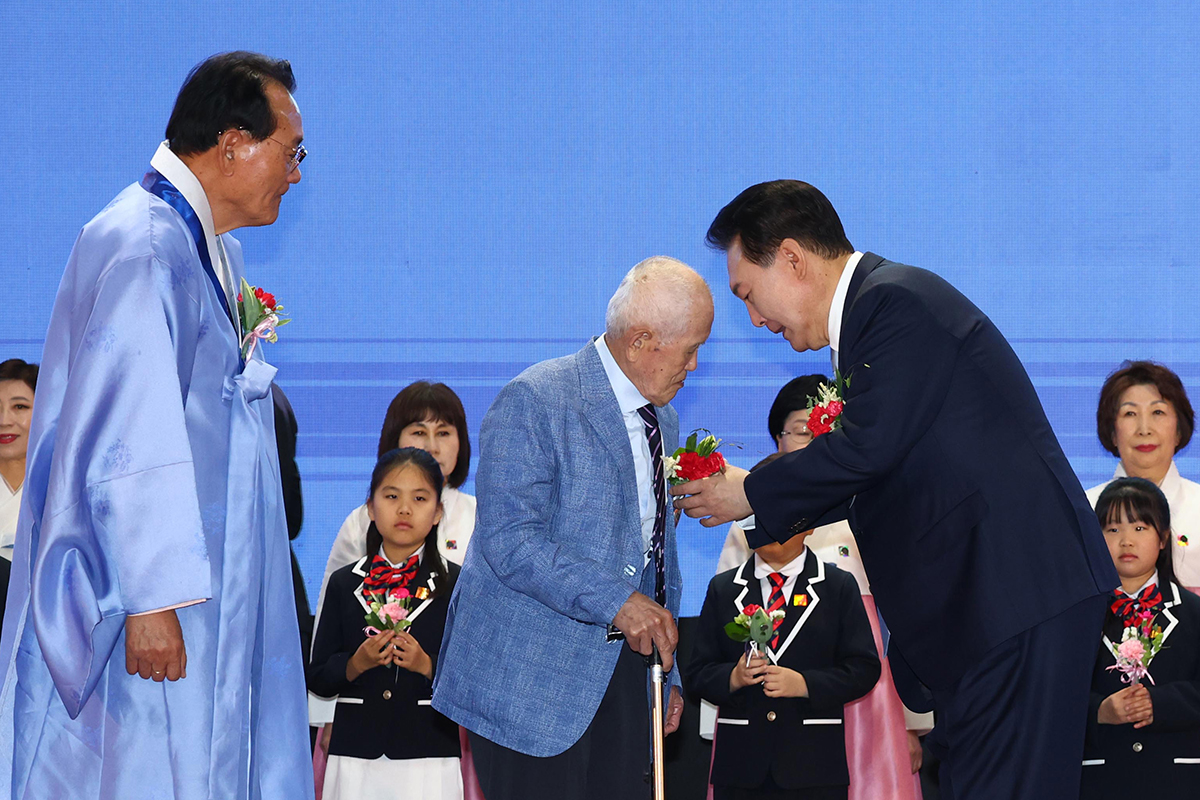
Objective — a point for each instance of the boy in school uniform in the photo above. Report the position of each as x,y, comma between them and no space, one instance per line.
779,725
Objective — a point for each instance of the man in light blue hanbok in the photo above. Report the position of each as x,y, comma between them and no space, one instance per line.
150,647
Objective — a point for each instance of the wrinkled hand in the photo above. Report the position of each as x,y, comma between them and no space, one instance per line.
674,711
784,682
717,500
411,656
742,676
645,623
154,646
375,651
1131,704
915,755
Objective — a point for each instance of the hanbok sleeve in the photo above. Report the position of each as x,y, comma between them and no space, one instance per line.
121,532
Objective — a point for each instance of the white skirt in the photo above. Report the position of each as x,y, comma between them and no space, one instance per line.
348,778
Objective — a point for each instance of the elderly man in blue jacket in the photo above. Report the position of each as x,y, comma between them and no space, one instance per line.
572,577
983,552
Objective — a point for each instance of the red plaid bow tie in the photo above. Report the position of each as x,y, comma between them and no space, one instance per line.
383,577
1128,608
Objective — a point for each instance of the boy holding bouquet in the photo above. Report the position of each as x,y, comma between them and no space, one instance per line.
779,725
1143,733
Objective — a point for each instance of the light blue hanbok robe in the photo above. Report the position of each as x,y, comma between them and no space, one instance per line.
153,481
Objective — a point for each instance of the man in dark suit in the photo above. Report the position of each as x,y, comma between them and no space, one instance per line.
984,555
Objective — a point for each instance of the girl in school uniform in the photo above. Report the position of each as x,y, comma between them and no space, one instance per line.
1144,738
387,740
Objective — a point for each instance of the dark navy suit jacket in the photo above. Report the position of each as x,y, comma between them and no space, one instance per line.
970,521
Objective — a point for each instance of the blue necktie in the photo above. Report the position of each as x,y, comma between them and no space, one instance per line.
654,436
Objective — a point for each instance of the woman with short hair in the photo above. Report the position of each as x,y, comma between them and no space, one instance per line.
1144,418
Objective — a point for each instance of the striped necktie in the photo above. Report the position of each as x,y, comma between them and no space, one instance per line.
776,602
654,437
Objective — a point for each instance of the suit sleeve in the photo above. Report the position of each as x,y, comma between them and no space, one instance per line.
327,671
289,473
1176,704
515,487
857,666
898,382
707,671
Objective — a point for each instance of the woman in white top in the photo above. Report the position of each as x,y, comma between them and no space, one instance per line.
17,383
883,748
1144,418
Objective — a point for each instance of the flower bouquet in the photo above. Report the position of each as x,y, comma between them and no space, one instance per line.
695,460
1140,643
388,612
825,410
755,626
260,317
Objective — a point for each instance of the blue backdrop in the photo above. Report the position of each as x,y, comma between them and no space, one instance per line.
481,177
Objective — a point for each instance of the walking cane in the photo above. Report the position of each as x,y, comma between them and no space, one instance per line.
656,725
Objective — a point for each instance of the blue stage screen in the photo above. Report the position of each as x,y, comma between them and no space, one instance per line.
482,175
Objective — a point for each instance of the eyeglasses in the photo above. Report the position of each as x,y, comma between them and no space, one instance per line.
295,154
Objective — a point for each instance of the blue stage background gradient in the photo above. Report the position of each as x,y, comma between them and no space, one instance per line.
481,177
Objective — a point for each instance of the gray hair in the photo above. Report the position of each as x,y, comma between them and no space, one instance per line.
660,293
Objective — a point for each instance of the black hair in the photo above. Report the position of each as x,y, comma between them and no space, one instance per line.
792,397
394,459
224,92
767,213
1139,500
14,369
418,402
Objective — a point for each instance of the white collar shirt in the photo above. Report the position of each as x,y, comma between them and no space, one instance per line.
420,554
173,169
790,571
629,399
839,304
1152,579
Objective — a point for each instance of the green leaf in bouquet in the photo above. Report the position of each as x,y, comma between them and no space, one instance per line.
678,452
738,633
283,321
761,627
708,445
691,442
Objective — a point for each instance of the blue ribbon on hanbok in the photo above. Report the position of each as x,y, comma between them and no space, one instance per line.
154,183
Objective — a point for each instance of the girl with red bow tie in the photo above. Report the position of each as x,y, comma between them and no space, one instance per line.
387,740
1144,734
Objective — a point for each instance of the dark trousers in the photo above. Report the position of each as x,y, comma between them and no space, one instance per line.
772,791
611,761
1012,728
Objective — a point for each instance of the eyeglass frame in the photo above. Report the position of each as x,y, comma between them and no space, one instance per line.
804,431
298,153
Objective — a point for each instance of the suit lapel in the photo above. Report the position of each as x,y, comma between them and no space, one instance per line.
604,415
806,584
1166,612
747,588
866,265
427,576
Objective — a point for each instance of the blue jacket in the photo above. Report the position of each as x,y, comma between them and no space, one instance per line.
557,550
970,521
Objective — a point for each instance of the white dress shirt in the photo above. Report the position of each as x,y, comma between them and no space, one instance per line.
790,572
1183,498
1152,579
630,400
839,305
173,169
10,506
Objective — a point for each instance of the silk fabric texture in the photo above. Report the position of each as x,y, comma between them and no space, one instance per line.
153,482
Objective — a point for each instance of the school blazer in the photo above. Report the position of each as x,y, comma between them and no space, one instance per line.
386,711
800,741
1163,758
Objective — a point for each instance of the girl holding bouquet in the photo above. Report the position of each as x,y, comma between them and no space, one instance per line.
387,740
1144,718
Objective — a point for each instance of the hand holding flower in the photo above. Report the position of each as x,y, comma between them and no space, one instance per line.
744,674
1131,704
783,682
410,655
375,651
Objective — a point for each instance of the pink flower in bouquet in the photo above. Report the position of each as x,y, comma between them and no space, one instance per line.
392,612
1132,649
398,593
